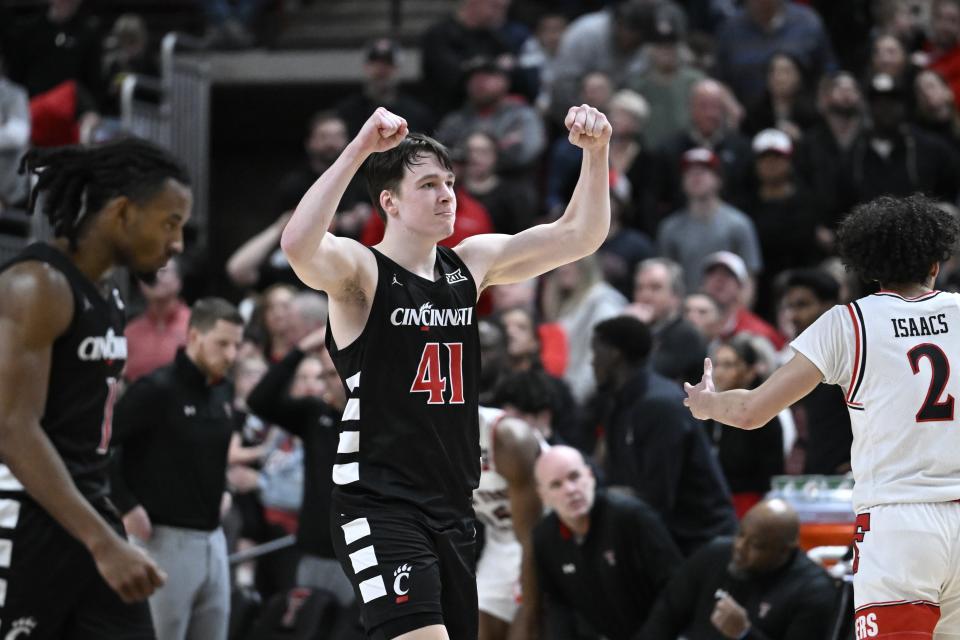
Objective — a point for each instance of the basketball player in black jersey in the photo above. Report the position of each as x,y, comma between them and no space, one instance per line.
66,570
403,335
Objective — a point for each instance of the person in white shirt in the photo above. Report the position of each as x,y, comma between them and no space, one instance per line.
890,354
507,505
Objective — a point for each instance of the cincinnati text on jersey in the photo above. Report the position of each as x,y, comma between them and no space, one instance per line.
427,316
105,347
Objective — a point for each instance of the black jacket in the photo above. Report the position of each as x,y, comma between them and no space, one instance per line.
795,602
657,449
829,437
678,351
822,166
749,458
607,582
171,433
917,162
315,423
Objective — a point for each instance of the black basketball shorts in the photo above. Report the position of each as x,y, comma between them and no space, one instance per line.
408,573
49,584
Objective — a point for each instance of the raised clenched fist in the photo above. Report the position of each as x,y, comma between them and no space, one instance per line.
589,128
382,131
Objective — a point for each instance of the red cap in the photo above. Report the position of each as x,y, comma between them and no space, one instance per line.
699,156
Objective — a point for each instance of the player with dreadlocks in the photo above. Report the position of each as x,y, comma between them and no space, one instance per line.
890,352
66,570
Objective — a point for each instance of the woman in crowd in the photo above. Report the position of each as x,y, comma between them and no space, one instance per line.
749,459
512,204
787,103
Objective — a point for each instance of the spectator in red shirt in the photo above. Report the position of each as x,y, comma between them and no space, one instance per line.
726,279
155,335
945,41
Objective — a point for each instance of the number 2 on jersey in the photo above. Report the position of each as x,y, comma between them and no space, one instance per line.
933,409
430,379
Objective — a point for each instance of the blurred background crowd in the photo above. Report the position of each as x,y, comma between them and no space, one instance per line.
743,133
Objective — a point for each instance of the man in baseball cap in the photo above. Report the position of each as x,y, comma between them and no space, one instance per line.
700,157
381,88
383,50
706,224
726,278
786,214
772,141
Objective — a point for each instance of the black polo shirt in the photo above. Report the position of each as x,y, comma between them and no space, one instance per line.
173,431
606,582
794,602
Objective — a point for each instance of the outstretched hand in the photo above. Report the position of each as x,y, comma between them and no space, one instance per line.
382,131
589,128
696,395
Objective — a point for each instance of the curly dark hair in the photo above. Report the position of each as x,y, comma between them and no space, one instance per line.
895,240
79,179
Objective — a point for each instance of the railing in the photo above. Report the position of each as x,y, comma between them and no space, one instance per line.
178,116
261,550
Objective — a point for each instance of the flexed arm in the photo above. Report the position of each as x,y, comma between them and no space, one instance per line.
322,260
501,259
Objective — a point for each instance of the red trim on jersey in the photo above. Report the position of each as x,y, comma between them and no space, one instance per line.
856,356
897,620
892,603
913,299
861,527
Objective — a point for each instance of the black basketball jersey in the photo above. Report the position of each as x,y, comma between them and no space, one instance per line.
409,432
85,367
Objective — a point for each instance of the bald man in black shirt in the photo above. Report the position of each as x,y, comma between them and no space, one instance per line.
758,586
601,558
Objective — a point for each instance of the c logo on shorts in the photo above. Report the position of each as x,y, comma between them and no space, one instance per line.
21,627
403,571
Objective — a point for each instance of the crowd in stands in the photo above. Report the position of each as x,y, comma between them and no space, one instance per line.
743,133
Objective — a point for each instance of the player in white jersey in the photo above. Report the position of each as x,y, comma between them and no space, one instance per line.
890,352
507,504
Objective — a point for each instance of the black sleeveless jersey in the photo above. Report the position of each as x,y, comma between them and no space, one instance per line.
409,435
85,366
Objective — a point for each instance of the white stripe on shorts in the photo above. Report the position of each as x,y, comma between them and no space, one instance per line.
363,559
355,529
372,588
